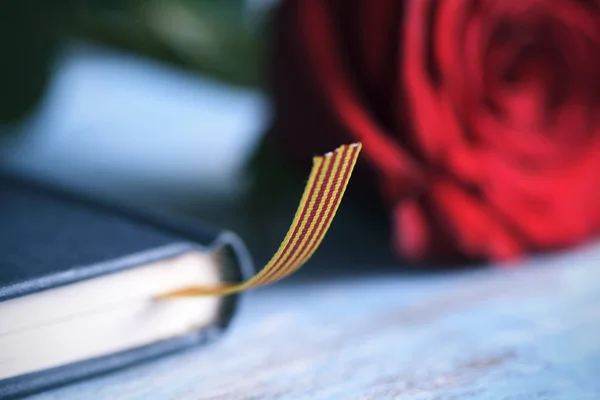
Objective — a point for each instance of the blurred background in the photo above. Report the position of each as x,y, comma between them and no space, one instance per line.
162,104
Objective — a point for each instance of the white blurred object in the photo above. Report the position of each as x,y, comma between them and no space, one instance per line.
116,122
260,6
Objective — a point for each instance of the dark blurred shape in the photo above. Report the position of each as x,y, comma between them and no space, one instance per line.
215,38
29,39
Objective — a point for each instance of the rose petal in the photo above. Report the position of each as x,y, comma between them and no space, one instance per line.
392,162
478,231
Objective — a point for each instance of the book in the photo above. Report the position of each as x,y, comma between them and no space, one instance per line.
79,280
87,287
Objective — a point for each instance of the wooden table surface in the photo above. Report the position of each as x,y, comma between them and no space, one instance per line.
526,333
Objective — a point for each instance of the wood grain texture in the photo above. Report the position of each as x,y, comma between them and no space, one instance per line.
527,333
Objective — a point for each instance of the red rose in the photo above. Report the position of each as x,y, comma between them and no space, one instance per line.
480,119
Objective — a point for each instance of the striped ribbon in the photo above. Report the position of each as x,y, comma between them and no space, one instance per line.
322,196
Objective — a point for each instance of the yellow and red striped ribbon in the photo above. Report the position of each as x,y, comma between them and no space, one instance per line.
322,196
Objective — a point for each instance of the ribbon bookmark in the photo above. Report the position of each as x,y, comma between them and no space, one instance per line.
322,196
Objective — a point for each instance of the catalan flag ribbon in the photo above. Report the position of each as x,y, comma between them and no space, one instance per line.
322,196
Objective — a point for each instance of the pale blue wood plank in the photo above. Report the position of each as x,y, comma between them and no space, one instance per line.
491,334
